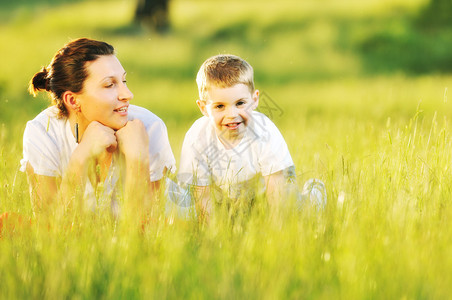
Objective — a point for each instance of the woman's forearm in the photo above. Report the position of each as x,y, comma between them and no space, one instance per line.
137,184
73,183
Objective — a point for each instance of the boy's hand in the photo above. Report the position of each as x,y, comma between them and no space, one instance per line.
203,202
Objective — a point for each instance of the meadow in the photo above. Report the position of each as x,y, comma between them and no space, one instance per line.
371,120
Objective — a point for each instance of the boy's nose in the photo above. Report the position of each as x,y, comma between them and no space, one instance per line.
232,112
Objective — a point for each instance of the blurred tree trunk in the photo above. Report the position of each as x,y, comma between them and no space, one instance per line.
436,14
153,14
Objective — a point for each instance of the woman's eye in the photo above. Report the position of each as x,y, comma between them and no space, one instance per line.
109,85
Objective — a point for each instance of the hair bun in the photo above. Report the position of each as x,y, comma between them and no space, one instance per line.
39,82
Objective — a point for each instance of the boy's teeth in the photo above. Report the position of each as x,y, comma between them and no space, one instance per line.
122,109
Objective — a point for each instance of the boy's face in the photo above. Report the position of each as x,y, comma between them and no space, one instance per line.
229,111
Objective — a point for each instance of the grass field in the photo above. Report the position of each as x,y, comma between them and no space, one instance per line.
379,136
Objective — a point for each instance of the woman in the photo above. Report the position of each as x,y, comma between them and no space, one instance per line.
92,147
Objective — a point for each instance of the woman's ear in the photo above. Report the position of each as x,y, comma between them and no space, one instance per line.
70,101
202,107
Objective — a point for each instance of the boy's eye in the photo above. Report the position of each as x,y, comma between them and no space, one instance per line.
240,103
219,106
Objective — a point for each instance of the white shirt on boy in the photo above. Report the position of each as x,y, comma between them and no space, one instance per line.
204,159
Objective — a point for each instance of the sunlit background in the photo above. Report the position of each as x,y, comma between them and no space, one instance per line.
321,57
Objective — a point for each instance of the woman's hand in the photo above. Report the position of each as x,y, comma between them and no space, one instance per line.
133,141
97,138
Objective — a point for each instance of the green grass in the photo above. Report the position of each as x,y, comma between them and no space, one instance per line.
379,140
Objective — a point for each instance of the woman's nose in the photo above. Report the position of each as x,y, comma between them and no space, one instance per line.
124,93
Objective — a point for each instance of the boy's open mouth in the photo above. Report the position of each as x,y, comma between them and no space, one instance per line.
233,125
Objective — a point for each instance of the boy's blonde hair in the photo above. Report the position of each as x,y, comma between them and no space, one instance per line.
224,70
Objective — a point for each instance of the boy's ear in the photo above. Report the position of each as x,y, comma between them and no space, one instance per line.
70,101
255,99
202,107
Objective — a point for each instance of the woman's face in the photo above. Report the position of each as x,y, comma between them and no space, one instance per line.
105,96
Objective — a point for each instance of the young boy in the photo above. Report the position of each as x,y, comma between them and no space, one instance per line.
232,146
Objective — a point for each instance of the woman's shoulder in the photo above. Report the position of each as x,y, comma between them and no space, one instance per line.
138,112
148,118
47,118
47,128
51,111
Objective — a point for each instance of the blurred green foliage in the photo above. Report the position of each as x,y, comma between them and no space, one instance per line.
412,52
414,43
435,15
298,50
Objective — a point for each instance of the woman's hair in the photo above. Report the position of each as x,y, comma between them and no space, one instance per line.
224,70
67,70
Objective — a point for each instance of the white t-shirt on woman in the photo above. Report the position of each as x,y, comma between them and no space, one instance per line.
48,144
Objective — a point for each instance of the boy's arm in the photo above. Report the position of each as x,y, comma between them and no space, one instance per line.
274,188
203,205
